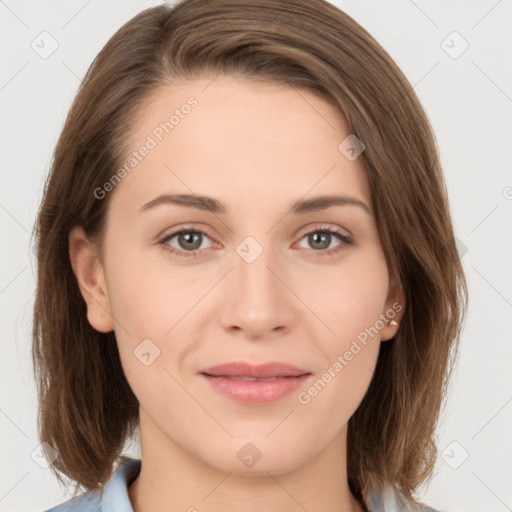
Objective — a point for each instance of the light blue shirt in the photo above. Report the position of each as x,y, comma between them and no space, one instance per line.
114,497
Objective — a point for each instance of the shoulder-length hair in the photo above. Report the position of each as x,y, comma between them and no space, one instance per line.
87,409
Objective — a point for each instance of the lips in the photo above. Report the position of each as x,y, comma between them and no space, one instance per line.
239,370
255,384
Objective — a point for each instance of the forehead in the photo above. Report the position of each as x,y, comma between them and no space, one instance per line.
242,139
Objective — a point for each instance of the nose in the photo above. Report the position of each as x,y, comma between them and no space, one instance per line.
257,298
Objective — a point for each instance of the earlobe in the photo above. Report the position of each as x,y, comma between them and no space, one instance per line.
90,277
394,310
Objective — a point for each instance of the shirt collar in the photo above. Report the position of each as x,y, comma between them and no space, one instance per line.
115,492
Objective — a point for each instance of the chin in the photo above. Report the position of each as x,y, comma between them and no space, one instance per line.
249,460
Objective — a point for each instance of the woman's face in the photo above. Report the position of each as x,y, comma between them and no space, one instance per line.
263,273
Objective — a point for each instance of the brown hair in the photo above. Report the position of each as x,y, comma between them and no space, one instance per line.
87,409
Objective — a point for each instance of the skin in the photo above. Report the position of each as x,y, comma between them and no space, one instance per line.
257,148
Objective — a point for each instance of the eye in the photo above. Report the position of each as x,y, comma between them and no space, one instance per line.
320,240
189,242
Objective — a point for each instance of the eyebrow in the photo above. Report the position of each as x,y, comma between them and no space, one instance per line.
210,204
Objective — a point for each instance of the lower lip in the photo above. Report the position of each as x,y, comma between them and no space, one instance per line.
256,392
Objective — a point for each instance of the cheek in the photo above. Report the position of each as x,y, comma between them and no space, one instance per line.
150,296
349,299
337,392
349,304
152,304
350,358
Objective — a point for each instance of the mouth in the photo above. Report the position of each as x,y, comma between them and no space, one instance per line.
261,371
255,384
250,379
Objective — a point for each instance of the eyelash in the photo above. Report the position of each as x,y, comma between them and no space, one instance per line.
344,239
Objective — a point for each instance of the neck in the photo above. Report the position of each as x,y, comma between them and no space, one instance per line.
174,479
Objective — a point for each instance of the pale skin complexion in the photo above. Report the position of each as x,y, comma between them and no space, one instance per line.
257,149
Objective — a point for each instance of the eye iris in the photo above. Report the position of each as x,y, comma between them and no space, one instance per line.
190,237
321,238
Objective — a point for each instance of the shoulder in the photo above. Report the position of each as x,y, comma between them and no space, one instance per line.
113,497
390,500
89,502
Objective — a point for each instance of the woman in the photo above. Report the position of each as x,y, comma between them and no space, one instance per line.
245,251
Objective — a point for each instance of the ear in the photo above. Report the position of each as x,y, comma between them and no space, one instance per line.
90,277
393,310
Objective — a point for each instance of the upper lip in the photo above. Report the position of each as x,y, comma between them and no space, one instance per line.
262,371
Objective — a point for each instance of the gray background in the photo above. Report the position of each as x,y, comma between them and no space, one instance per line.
469,102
